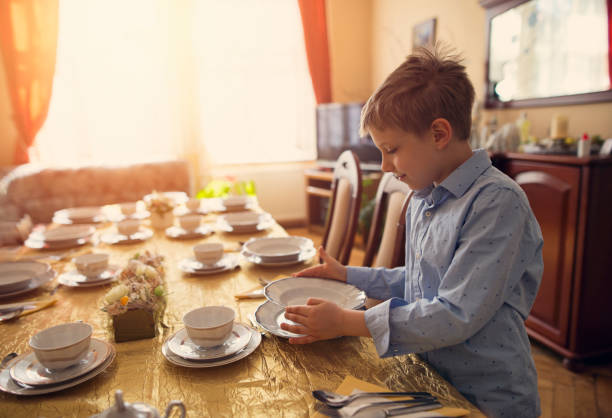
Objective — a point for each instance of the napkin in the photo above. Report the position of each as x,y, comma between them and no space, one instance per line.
256,293
351,385
37,305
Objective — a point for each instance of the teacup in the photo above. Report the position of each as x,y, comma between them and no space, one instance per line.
91,265
235,202
62,346
189,222
208,253
128,226
209,326
128,208
193,204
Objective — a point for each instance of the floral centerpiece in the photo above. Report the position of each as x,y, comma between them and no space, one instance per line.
137,302
161,207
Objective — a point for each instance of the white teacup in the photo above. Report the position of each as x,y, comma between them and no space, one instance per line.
128,226
193,204
235,202
189,222
208,253
63,345
91,265
128,208
209,326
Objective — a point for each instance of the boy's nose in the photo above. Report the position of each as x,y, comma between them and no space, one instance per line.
386,165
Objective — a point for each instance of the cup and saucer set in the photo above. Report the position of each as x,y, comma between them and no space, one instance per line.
210,258
190,227
210,338
79,215
62,237
296,291
244,222
18,277
191,207
129,231
62,356
278,251
91,270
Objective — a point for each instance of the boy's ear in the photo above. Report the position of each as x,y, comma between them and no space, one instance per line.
442,132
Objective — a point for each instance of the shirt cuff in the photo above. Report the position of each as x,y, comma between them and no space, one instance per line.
378,323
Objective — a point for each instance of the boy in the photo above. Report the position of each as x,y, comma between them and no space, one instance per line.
473,248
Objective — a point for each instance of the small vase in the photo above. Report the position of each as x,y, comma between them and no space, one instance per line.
162,220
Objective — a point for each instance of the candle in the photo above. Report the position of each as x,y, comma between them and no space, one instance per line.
558,127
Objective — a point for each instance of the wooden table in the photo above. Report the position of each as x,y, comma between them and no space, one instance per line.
276,380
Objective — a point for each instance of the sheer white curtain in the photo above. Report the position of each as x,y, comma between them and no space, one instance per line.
145,79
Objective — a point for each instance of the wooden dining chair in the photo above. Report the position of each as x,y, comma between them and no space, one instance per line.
386,240
345,202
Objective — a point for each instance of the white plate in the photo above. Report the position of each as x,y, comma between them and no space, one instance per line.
67,233
192,266
30,372
7,384
198,364
181,345
79,215
179,233
75,279
302,257
40,244
270,315
297,290
35,283
116,238
277,249
16,275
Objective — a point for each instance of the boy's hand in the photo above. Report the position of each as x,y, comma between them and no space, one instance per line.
318,320
330,269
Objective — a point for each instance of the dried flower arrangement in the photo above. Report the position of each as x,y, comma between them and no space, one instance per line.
137,302
159,203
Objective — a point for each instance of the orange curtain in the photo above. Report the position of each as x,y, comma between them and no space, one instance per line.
28,39
317,50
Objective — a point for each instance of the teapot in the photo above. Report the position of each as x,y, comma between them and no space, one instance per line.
136,410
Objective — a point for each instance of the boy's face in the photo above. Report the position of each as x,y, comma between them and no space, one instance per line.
412,159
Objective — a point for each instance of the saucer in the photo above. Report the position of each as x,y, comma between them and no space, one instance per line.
38,244
116,238
303,256
29,371
35,283
9,385
192,266
75,279
177,232
270,315
198,364
181,345
79,215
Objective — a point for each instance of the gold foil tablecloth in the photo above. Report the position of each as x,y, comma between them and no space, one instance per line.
275,380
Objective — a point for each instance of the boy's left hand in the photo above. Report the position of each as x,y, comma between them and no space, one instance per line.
318,320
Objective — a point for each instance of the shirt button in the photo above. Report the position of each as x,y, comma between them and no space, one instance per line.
417,256
428,214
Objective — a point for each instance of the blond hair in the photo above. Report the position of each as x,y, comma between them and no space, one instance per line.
430,84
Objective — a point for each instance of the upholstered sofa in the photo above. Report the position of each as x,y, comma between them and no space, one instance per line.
40,191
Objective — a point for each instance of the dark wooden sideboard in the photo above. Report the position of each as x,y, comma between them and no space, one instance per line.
572,200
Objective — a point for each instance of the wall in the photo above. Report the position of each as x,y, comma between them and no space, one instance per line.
461,24
8,131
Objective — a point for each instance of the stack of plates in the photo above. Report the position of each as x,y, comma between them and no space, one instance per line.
245,222
181,351
75,279
66,236
24,375
296,291
83,215
279,251
192,266
17,277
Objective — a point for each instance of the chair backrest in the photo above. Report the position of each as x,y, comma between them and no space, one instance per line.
345,202
386,249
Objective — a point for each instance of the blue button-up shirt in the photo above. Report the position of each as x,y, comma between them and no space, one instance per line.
473,268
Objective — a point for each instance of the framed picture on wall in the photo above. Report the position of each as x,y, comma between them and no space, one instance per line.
424,34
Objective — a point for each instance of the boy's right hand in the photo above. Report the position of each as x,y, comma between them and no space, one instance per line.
330,269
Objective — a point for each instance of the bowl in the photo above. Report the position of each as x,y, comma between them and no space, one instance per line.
128,226
91,265
209,326
208,253
242,218
189,222
235,202
63,345
193,204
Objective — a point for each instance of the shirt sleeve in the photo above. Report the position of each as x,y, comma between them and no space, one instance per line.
492,254
378,283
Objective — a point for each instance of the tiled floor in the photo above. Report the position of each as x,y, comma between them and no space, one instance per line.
563,394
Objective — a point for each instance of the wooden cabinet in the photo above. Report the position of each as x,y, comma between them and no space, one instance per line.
318,192
572,200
